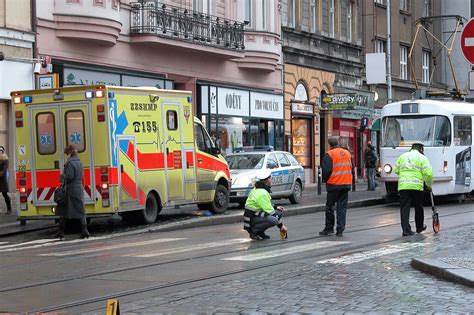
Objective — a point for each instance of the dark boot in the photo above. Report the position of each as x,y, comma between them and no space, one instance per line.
84,232
61,228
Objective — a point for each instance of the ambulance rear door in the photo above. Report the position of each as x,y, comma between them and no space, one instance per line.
54,127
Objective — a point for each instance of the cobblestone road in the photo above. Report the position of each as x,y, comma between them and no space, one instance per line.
383,284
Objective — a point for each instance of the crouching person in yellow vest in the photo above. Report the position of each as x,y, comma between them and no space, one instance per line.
414,172
260,214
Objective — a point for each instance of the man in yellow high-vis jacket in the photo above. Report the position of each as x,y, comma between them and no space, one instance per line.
414,172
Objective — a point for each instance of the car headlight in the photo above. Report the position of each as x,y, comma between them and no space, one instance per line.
387,168
242,182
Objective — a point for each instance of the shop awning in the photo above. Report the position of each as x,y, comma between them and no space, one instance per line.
375,125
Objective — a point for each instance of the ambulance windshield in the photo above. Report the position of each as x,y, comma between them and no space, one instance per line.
245,161
403,131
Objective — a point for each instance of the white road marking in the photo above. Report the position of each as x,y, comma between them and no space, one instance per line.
118,246
40,241
469,41
185,249
357,257
286,251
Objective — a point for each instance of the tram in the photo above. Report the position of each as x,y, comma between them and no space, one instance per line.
445,129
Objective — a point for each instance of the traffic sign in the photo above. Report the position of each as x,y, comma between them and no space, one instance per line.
467,41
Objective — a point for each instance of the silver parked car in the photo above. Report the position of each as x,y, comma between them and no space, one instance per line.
287,174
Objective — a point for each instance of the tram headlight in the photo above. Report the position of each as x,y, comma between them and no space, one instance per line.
387,168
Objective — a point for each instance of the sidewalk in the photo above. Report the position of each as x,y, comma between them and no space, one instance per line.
455,265
190,216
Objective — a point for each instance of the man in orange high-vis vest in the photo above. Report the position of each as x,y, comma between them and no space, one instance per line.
337,173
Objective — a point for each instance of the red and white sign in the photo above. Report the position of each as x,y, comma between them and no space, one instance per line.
467,41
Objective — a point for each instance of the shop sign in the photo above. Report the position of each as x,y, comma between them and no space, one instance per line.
302,108
22,80
266,105
232,102
133,81
344,101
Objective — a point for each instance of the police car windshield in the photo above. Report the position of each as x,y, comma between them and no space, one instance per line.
245,161
403,131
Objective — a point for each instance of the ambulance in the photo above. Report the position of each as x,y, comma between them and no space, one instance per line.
142,151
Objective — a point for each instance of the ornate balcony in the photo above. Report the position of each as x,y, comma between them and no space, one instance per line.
168,22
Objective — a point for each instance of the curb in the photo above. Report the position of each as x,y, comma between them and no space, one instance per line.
237,217
444,270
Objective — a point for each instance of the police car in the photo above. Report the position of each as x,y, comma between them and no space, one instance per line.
246,163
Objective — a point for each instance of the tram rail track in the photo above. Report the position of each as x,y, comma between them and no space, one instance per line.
91,301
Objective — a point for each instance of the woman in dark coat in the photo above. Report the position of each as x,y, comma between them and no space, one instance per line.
74,206
4,179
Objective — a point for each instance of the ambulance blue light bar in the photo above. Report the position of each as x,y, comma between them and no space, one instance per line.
27,99
89,94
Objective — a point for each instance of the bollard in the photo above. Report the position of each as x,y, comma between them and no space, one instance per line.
319,180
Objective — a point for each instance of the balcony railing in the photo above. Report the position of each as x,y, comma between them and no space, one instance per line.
148,17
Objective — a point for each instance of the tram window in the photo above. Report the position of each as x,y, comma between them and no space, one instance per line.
462,130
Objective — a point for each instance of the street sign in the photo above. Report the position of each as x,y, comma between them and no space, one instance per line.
467,41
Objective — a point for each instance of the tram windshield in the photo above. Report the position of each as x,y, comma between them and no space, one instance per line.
403,131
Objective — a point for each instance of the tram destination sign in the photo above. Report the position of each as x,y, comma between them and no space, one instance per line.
344,101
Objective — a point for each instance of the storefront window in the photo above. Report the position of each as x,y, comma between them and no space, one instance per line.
301,132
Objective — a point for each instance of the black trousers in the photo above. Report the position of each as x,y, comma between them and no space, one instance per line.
7,201
408,198
340,197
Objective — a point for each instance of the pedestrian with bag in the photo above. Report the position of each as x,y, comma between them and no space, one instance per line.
370,165
337,169
73,205
414,172
4,163
260,214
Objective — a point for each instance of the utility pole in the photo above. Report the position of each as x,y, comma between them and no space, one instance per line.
389,53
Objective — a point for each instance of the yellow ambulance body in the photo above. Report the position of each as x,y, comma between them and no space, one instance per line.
142,150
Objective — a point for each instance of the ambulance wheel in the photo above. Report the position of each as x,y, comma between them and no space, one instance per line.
150,213
297,193
221,200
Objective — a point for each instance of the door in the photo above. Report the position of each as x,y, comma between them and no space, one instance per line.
174,151
128,175
284,173
55,127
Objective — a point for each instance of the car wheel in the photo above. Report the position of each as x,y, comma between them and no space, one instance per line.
221,200
297,193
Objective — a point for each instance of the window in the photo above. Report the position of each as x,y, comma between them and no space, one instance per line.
426,8
264,15
248,12
197,5
462,130
403,62
203,141
425,67
172,120
314,16
332,22
404,5
45,133
272,161
384,2
291,13
283,160
379,46
204,6
75,130
349,21
292,159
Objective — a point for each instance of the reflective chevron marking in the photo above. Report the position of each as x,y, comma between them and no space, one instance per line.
285,251
190,248
111,247
357,257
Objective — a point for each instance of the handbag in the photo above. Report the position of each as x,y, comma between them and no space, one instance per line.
60,195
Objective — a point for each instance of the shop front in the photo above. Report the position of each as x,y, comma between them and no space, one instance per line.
238,118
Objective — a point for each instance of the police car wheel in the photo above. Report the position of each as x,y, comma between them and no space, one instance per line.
297,193
221,200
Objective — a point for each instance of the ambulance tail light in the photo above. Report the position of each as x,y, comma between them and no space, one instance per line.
18,118
100,112
23,191
104,186
22,182
23,199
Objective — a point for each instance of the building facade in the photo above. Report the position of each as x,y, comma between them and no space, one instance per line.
322,51
16,52
227,52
